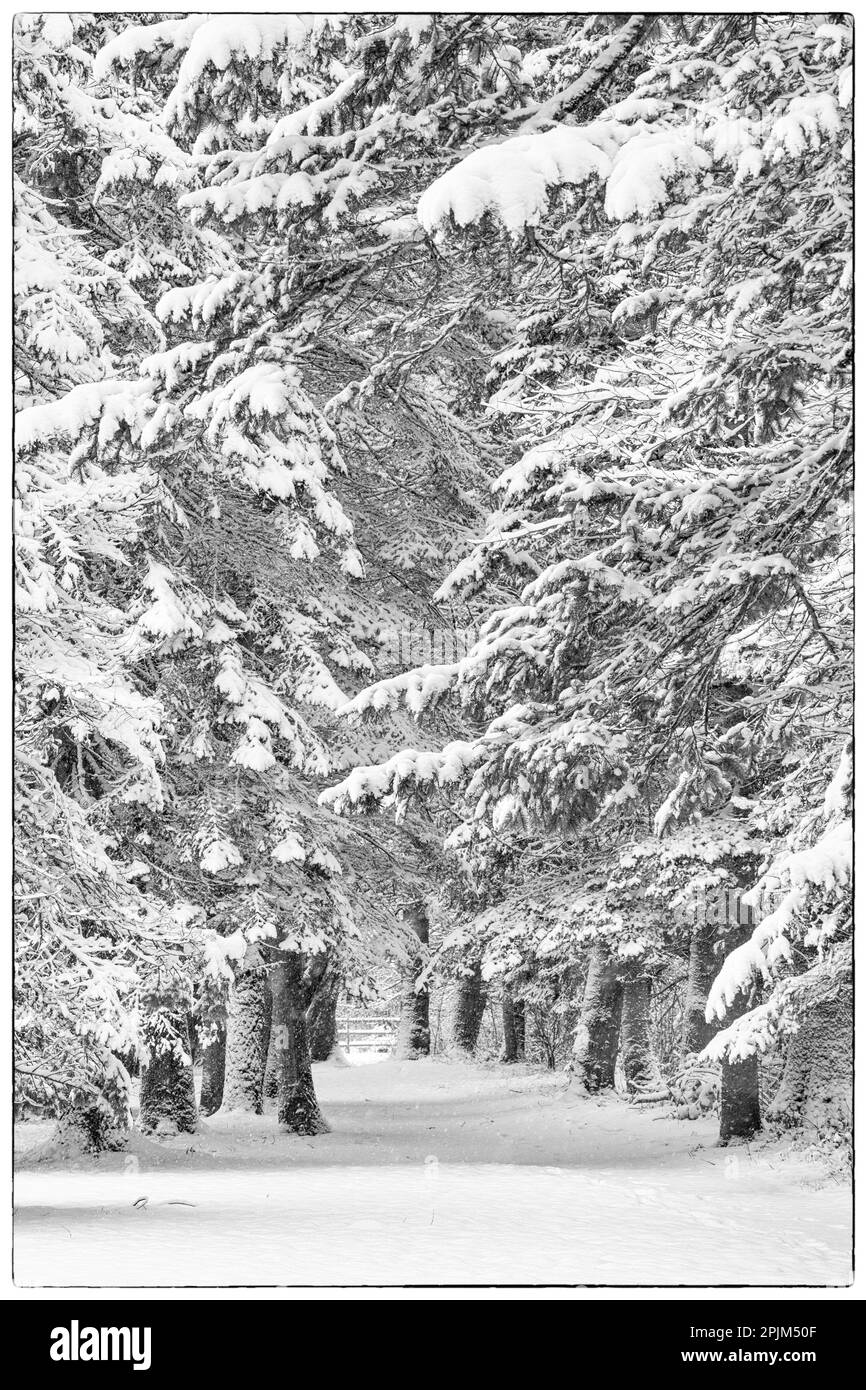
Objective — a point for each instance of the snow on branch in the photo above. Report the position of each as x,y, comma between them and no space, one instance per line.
599,70
513,181
409,767
826,864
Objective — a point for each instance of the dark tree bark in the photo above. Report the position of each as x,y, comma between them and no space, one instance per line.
816,1090
513,1028
272,1080
469,1009
247,1030
89,1129
702,970
213,1069
520,1027
597,1037
322,1016
297,1106
413,1033
643,1078
167,1095
740,1099
740,1106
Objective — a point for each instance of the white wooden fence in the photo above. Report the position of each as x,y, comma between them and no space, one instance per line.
365,1030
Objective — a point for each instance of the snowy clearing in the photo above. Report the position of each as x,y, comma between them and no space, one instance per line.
437,1172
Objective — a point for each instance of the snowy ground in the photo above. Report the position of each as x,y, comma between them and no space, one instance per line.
437,1172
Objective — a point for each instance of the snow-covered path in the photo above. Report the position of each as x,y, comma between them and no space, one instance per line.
437,1172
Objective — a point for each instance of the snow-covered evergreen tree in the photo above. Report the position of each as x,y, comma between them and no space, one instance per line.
252,639
676,537
89,737
292,291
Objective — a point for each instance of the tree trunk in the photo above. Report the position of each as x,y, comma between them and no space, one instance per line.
413,1033
519,1007
740,1099
167,1095
469,1009
816,1090
272,1080
322,1017
247,1029
597,1035
513,1028
297,1107
213,1068
702,970
643,1078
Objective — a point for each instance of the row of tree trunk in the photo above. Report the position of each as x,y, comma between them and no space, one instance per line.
280,1019
266,1032
615,1027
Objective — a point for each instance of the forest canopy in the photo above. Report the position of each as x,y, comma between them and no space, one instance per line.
433,553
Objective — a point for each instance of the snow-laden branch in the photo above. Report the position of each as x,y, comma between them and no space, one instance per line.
600,69
826,864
